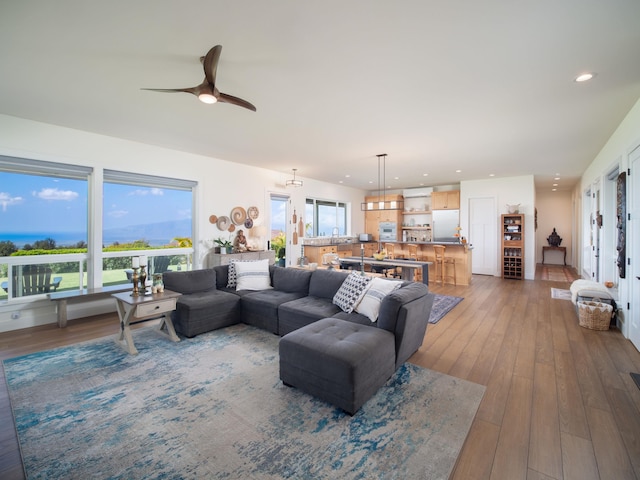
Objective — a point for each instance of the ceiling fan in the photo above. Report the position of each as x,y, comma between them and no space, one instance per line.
207,91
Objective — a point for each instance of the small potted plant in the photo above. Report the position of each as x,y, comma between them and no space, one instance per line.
278,245
225,245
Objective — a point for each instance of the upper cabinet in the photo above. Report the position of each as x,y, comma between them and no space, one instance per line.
448,200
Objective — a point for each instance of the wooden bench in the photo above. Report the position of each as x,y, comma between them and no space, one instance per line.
84,295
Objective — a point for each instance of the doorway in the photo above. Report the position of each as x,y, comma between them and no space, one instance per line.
278,226
633,246
483,231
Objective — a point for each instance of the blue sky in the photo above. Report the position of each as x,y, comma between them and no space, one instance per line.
37,204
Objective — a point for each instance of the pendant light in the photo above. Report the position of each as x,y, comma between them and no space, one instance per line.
293,182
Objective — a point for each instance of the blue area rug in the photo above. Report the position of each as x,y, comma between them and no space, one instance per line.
213,407
442,305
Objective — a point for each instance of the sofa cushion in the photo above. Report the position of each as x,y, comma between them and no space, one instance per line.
260,309
201,312
253,275
192,281
298,313
351,291
291,280
372,299
325,283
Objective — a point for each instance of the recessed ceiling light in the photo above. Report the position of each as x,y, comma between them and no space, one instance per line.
425,174
396,178
557,178
585,77
458,171
554,189
347,176
555,184
370,181
340,181
492,174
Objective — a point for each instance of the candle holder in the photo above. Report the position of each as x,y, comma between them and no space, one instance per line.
134,280
143,279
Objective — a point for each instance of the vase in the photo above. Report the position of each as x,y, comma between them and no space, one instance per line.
554,239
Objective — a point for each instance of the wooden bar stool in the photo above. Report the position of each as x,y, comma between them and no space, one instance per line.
413,255
441,262
390,250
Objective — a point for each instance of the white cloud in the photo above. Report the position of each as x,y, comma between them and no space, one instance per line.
55,194
6,199
118,213
141,192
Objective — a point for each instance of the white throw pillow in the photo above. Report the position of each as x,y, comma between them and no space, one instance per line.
351,291
253,275
372,298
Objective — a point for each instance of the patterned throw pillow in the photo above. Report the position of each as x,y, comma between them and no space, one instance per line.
351,291
253,275
371,300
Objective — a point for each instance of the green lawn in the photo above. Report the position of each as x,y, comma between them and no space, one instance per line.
70,280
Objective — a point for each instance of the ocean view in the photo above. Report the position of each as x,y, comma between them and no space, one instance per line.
157,234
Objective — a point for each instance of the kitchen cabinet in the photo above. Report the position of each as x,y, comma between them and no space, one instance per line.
314,253
447,200
372,217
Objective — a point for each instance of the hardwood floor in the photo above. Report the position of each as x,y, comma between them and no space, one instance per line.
559,403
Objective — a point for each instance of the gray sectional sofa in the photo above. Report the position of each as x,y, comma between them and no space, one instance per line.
299,297
340,357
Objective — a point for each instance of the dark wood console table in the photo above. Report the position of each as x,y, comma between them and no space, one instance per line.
561,249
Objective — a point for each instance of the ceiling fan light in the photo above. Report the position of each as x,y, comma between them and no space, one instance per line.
207,98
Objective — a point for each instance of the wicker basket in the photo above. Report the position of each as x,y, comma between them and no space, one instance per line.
595,315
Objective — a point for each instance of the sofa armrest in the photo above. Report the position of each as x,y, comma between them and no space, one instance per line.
405,313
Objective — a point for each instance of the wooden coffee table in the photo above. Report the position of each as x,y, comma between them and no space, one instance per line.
132,310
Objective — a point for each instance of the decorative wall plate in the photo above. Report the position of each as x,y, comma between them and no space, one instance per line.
213,219
223,222
253,212
238,215
248,223
232,227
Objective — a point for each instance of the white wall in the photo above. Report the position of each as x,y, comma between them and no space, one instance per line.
506,191
222,185
615,152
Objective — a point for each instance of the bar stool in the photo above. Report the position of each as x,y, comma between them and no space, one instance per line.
413,255
389,248
441,261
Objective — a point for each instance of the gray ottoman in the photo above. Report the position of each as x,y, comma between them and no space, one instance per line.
341,362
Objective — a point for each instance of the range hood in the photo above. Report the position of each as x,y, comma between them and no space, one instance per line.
417,192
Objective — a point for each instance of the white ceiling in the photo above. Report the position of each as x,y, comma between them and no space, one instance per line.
481,86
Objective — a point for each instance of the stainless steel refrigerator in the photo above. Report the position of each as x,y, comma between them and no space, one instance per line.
444,225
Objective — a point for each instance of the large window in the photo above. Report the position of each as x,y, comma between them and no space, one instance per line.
47,242
325,218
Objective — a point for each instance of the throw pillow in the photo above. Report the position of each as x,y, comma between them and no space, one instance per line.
253,275
378,289
350,291
231,275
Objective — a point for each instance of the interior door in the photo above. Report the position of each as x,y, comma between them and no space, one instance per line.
483,235
633,246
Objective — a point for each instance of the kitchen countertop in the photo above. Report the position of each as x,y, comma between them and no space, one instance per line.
330,244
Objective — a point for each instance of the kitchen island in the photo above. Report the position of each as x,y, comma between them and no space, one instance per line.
461,254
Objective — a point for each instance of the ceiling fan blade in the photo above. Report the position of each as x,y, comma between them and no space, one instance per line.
173,90
224,98
211,64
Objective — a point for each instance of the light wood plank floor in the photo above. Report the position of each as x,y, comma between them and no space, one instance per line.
559,404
